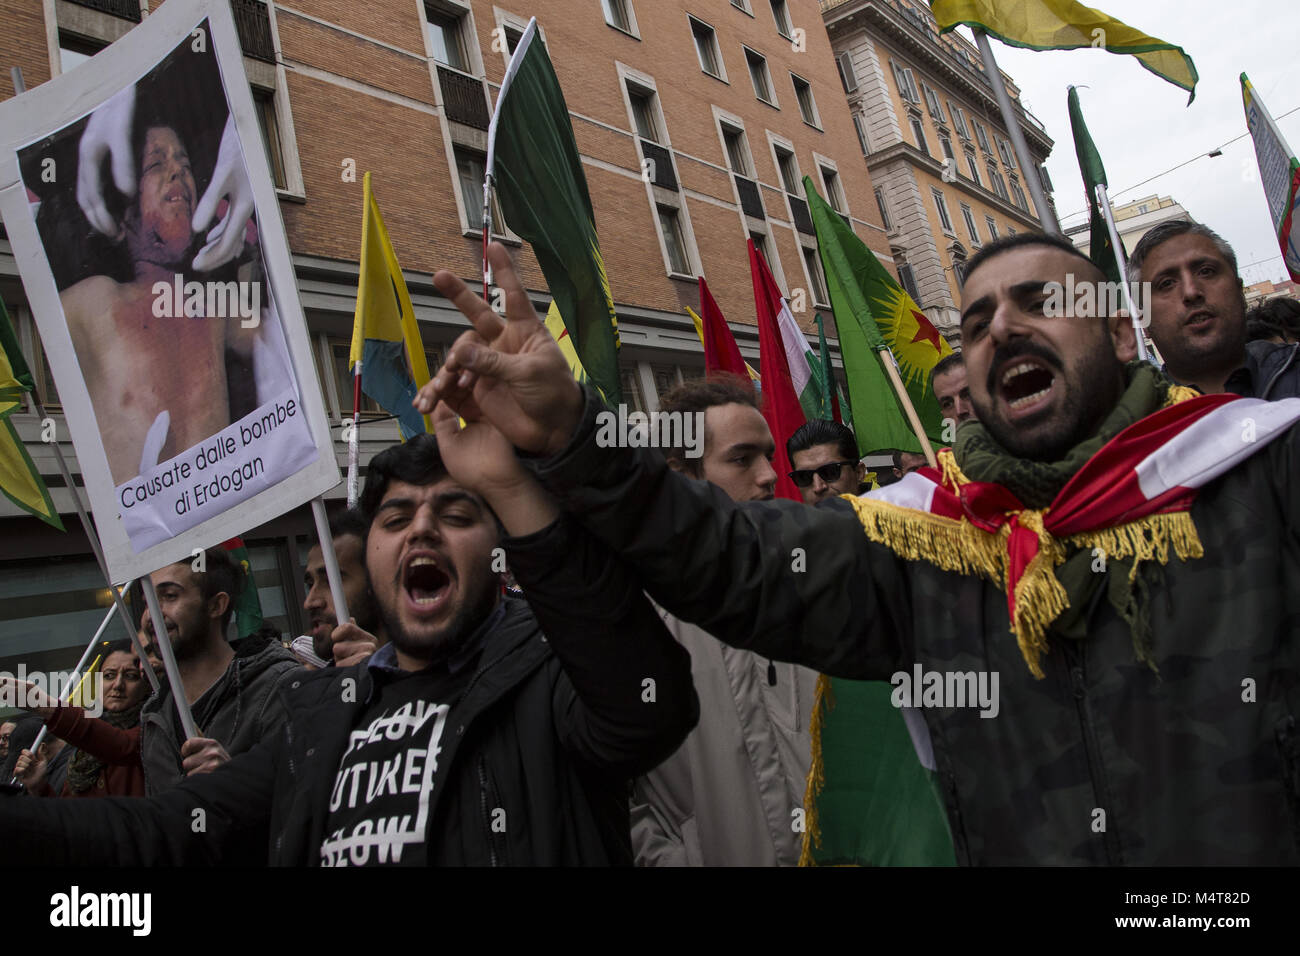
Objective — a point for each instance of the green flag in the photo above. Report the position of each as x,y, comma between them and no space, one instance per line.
533,160
20,482
873,313
248,605
1100,250
822,373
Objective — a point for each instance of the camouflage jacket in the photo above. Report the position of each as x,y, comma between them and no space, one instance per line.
1103,761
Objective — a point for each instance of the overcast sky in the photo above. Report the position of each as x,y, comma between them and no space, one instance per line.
1142,126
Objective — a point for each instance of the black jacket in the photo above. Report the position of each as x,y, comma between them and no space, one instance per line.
550,729
1271,372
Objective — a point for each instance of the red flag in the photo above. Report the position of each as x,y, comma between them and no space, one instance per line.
781,405
721,354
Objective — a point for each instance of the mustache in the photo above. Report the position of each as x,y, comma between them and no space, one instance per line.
1019,349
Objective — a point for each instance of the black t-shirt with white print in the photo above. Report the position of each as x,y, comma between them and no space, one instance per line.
383,790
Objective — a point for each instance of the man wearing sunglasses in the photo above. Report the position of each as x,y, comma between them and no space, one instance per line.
825,459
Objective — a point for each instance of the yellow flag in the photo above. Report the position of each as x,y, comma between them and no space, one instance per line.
384,322
1067,25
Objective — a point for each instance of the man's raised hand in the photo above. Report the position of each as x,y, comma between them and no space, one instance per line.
508,371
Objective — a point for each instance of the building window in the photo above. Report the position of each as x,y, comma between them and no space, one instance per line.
993,227
919,132
759,76
906,84
982,135
909,282
862,133
999,186
959,269
1045,179
932,104
445,37
782,17
945,144
470,168
706,47
737,151
513,35
959,120
264,102
1007,154
834,191
666,378
789,169
1142,209
844,64
618,14
1011,231
970,223
813,263
941,205
1018,196
643,113
884,210
760,243
75,50
807,107
974,169
742,5
674,239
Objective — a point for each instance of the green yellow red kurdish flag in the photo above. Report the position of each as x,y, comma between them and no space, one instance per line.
1280,173
872,314
1100,250
533,161
1067,25
20,482
385,337
248,606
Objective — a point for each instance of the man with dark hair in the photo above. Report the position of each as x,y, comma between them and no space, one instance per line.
1198,315
824,456
731,795
1276,321
366,634
488,731
233,694
1076,600
948,382
906,462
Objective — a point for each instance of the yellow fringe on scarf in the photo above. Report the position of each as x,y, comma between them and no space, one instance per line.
960,547
812,835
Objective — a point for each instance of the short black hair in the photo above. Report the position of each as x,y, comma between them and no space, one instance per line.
820,431
222,574
1006,243
946,365
416,461
1278,317
1171,229
121,645
349,521
700,394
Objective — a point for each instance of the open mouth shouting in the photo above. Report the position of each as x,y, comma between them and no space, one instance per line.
426,585
1025,385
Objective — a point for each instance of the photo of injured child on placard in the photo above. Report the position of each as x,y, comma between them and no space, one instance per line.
153,247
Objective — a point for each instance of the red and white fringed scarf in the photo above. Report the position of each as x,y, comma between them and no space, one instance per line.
1131,499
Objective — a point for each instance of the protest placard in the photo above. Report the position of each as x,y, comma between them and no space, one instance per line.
146,227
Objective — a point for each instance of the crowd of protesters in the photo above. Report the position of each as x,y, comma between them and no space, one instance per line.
646,695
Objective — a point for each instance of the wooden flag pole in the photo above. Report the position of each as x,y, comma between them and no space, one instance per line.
1046,215
1104,201
331,560
164,645
67,689
891,369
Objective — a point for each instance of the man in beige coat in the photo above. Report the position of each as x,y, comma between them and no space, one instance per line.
732,794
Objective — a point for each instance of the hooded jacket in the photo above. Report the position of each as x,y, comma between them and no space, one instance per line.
1104,760
241,708
1271,372
573,694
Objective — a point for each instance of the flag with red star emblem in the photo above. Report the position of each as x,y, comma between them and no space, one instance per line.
873,314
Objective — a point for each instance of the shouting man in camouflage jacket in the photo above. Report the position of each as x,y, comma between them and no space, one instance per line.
1093,600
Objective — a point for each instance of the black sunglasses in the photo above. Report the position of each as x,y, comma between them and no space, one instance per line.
828,473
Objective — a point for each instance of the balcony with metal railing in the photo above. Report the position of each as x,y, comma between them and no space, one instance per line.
463,98
750,200
126,9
